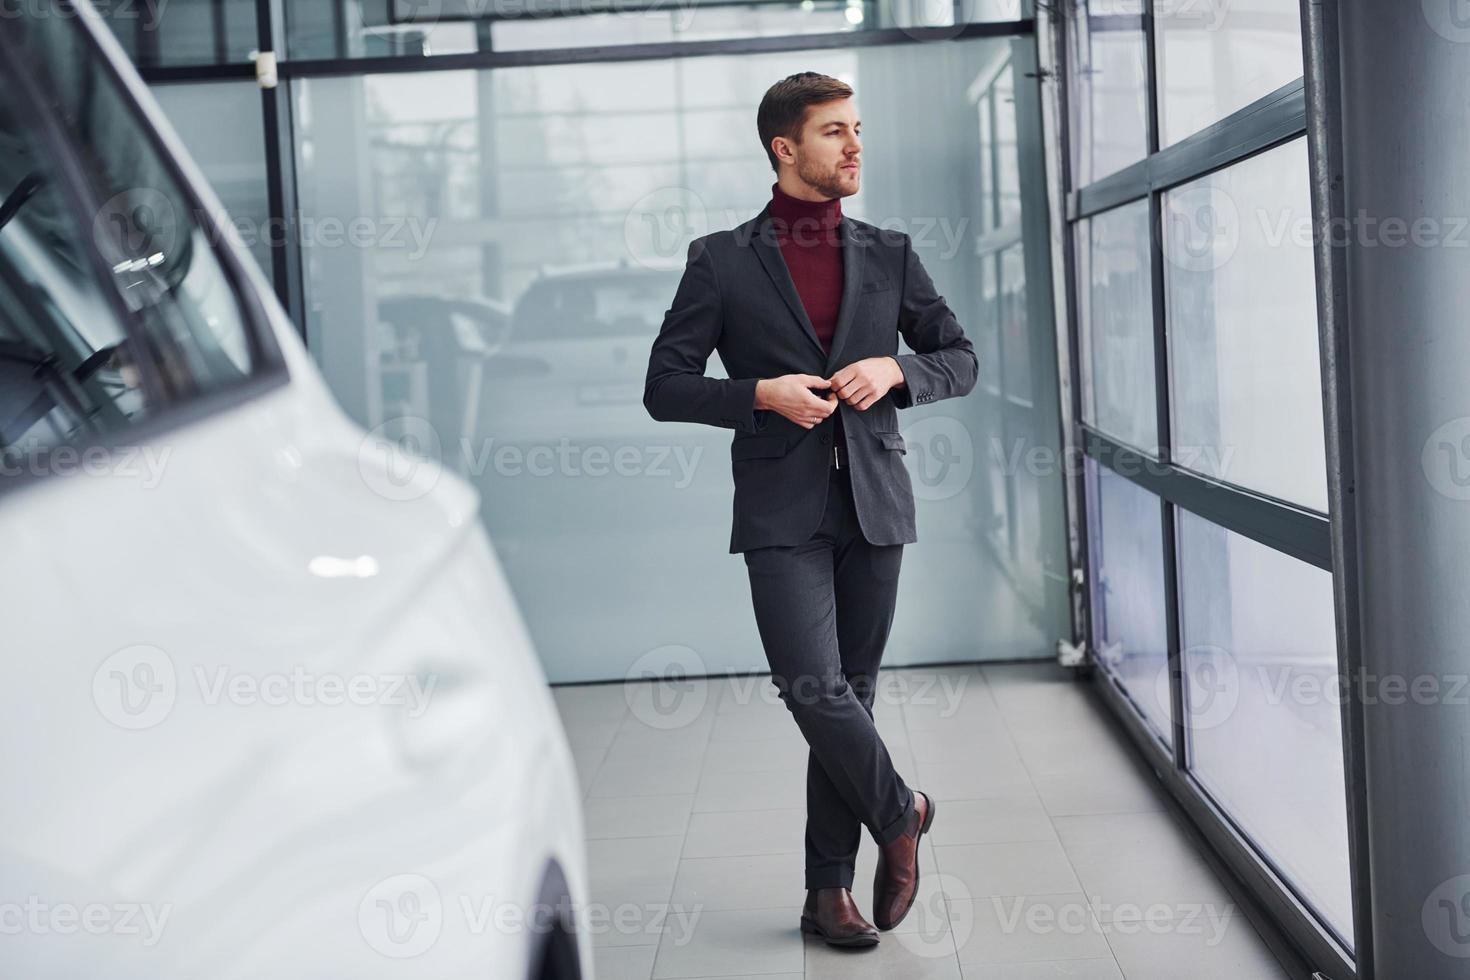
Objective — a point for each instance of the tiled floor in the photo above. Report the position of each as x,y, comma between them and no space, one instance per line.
1052,855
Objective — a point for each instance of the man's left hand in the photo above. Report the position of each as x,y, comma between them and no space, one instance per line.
861,383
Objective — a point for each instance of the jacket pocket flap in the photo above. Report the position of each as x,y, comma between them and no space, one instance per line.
755,447
874,285
892,440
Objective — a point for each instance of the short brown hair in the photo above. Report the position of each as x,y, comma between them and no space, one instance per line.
783,110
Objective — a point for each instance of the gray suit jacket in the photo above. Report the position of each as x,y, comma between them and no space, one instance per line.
737,297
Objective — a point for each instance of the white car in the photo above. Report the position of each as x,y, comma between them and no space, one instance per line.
268,707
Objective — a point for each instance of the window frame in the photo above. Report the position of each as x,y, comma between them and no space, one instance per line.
1300,109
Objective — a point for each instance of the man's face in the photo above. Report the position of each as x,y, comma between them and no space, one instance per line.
827,156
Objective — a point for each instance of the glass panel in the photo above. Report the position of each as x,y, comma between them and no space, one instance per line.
159,249
220,123
1116,320
68,371
1261,681
1217,56
1014,323
1128,602
986,335
533,256
413,28
158,33
1242,308
1109,93
1008,180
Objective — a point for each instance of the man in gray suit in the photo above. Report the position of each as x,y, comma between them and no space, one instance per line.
805,306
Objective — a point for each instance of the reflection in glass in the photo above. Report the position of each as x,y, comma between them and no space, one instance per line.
1115,317
1128,604
159,249
414,29
1217,56
1261,684
533,225
1109,93
157,33
1242,309
68,372
220,124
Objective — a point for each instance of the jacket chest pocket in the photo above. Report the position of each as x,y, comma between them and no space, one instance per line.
892,440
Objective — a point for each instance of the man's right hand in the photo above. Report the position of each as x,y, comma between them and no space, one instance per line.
790,396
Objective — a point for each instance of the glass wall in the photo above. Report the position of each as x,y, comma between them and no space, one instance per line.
1265,732
1116,320
1217,56
1109,98
1242,305
173,33
329,29
1200,401
525,229
1126,543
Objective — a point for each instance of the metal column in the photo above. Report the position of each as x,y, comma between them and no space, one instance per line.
1404,71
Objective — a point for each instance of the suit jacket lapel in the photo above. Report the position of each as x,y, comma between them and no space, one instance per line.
853,253
764,243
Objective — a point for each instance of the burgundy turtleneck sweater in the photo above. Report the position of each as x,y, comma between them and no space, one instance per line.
812,247
811,244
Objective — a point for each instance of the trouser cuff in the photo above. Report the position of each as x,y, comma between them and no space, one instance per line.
897,827
834,877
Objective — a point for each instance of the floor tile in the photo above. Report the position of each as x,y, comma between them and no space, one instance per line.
1135,864
1026,928
636,816
1002,820
1098,969
896,957
1021,868
729,834
1209,947
734,943
756,881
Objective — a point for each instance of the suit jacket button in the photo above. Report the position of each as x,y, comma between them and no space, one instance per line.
824,438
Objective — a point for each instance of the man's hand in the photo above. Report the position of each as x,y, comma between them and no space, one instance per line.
790,396
863,382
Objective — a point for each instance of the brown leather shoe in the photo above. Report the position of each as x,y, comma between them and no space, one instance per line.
832,914
896,884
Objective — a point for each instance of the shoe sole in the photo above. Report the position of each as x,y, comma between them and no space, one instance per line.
808,925
923,829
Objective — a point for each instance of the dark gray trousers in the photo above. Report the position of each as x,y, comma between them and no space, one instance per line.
824,609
